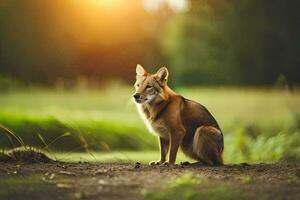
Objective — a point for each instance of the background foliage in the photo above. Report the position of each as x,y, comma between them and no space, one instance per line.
258,124
228,42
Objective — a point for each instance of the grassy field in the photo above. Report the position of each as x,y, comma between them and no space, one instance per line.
259,124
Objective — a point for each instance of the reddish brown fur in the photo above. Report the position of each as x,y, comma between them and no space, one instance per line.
177,121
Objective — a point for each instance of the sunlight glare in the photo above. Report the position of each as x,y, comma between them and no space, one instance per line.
108,3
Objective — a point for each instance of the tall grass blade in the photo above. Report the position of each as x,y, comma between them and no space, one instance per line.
57,138
86,147
11,135
46,146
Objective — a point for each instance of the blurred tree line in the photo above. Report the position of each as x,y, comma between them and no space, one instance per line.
215,42
235,42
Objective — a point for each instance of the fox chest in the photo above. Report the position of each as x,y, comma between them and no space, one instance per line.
160,129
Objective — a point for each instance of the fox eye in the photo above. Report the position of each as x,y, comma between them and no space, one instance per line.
137,85
148,86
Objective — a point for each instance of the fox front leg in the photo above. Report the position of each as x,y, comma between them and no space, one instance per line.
164,148
175,141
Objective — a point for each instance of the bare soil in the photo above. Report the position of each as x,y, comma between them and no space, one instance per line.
127,181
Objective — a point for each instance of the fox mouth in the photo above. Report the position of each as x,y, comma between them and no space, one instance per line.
138,100
145,100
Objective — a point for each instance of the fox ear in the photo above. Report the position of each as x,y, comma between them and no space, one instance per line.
163,74
140,71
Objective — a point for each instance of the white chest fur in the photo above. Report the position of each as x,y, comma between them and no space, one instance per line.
158,127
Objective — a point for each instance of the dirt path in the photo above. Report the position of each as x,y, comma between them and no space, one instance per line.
129,181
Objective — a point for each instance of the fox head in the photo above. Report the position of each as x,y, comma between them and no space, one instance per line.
150,87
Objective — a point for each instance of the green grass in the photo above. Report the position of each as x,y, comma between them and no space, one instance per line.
259,124
110,157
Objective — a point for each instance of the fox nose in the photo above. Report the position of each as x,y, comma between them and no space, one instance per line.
136,95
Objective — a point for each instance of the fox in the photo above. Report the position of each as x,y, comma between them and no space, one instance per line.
178,122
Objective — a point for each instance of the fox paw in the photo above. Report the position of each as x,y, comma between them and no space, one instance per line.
185,163
168,163
156,162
